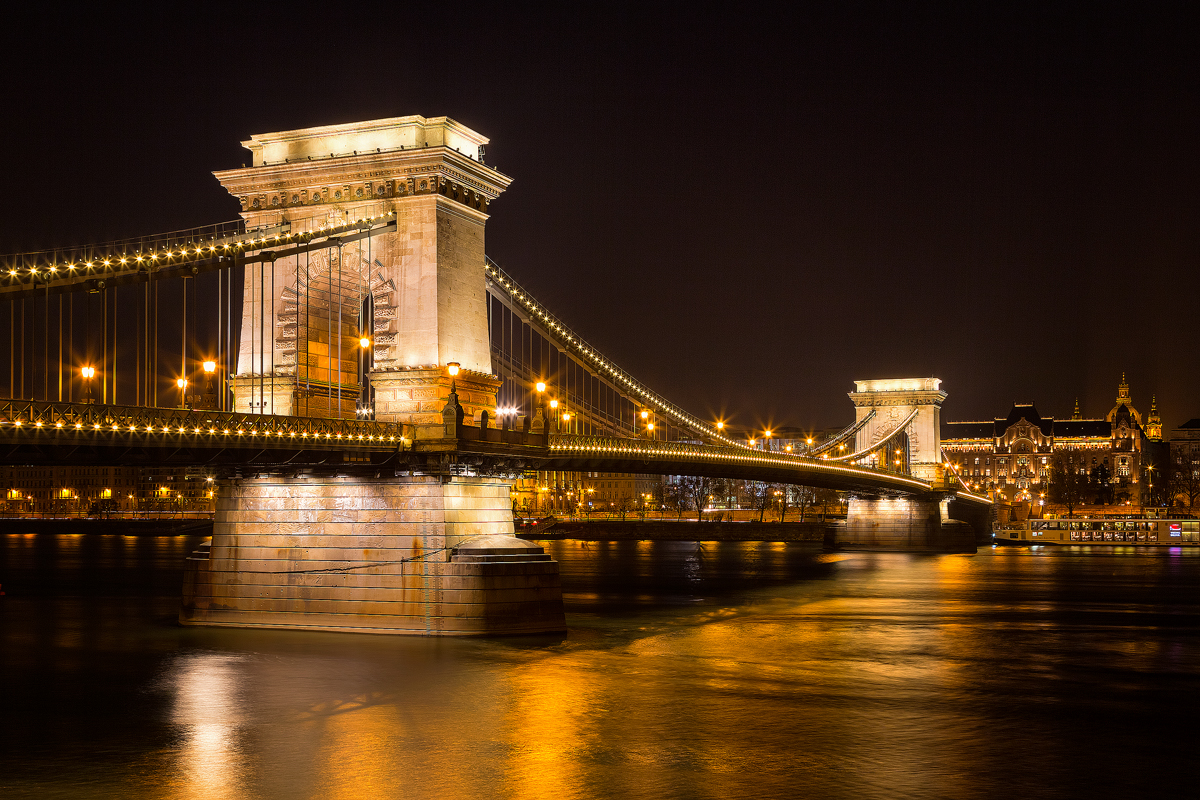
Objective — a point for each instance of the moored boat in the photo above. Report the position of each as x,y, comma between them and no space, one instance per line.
1141,532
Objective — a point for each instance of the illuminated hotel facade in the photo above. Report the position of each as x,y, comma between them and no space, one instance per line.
1015,454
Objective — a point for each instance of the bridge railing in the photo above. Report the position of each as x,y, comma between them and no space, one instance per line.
611,448
204,427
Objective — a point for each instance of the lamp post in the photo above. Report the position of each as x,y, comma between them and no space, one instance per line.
767,441
210,394
88,373
182,383
364,406
538,411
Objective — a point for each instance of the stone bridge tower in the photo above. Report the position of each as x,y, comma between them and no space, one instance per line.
425,277
895,400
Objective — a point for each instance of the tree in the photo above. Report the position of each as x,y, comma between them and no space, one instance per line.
696,491
676,498
1101,479
805,498
827,498
781,497
1185,483
623,505
1067,484
759,496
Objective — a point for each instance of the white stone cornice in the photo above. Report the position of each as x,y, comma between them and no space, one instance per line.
365,168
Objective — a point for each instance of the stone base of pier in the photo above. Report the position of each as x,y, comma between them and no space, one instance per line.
913,524
423,555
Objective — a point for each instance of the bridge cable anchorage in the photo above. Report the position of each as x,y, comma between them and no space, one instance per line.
571,341
882,442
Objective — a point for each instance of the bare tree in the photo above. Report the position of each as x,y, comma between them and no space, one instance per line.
623,505
782,495
1068,482
826,498
804,498
697,490
759,495
676,498
1185,483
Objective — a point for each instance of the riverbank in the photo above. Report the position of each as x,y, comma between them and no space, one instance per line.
681,531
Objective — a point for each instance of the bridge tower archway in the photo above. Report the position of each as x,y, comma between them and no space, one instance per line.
894,401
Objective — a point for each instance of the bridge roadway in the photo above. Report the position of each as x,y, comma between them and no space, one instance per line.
46,434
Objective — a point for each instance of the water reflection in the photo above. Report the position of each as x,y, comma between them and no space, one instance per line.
207,708
715,670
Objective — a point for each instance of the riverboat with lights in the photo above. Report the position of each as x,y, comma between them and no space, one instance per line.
1139,532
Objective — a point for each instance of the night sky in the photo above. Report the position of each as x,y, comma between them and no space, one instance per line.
747,212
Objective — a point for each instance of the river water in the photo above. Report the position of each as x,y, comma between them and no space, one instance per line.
713,671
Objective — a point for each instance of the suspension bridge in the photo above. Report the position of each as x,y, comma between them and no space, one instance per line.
366,385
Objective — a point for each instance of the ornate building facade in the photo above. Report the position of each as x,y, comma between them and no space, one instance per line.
1014,454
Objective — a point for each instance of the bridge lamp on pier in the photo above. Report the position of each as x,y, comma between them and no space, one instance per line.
210,395
87,373
182,383
451,368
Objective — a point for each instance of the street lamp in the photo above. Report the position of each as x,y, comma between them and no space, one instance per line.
210,396
182,383
88,373
538,412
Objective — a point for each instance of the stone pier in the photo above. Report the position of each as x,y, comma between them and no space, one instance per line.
427,548
916,524
425,555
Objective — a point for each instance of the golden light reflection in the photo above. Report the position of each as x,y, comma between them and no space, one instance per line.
208,710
